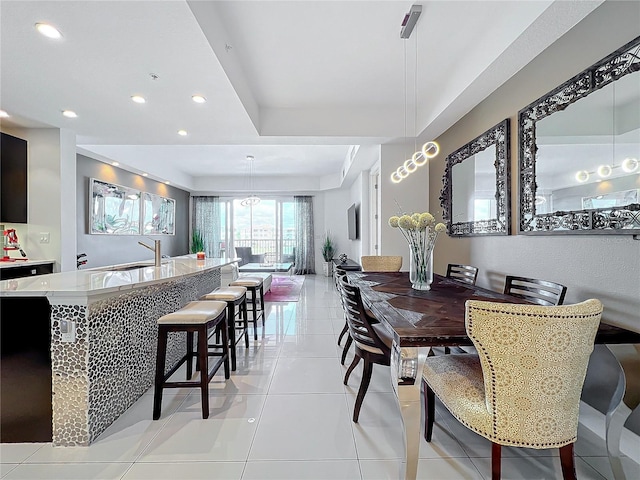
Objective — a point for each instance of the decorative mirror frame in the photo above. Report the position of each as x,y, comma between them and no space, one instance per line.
610,220
499,135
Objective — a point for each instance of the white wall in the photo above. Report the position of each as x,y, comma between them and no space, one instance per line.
51,191
412,194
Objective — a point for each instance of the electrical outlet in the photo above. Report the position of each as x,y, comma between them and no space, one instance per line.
44,237
68,330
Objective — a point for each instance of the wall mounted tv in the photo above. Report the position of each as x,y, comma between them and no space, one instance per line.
13,179
352,222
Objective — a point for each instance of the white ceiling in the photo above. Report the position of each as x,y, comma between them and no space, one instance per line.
293,83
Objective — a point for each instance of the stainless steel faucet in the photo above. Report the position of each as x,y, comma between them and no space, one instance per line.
156,250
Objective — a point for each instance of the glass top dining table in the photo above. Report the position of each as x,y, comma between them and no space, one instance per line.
418,320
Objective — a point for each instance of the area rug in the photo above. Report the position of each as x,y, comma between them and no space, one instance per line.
285,288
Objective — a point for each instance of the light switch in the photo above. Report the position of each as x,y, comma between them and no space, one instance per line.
44,237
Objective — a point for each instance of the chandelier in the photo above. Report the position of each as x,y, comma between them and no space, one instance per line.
252,199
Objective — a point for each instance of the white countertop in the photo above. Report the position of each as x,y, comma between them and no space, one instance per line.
102,280
23,263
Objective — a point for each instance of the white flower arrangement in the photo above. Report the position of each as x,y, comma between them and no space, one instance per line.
420,230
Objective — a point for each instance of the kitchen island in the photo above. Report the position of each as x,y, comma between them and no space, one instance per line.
102,331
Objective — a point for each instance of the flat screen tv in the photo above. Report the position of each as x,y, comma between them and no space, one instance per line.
13,179
352,222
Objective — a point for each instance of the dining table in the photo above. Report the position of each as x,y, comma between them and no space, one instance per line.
418,320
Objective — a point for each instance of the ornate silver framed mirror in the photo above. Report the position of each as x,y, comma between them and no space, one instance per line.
579,162
475,197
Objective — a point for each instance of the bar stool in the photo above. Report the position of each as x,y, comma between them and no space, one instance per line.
253,285
195,317
234,296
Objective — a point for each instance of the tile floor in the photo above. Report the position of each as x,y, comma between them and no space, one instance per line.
285,414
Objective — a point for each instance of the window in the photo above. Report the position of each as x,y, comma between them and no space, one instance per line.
268,228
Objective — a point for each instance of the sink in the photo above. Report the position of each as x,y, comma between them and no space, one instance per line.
124,268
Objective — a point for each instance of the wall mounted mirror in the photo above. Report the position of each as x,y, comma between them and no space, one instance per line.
114,209
475,196
580,152
159,215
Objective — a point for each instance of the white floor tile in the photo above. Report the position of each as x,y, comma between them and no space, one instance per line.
18,452
68,471
225,436
428,469
122,441
310,326
252,376
602,466
303,470
306,375
380,377
302,345
5,468
534,468
186,471
304,427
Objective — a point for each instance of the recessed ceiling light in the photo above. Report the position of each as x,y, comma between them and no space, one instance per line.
115,164
48,30
182,133
138,99
167,182
69,114
198,99
145,174
3,114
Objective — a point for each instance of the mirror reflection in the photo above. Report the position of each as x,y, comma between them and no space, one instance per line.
114,209
474,187
587,155
580,151
475,192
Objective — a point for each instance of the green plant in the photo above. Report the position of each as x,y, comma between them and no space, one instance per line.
328,248
197,242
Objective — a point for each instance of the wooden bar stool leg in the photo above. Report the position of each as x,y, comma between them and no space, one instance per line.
231,340
225,349
254,302
262,305
203,356
245,321
189,354
160,361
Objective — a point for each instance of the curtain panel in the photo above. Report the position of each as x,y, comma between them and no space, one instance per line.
304,253
206,220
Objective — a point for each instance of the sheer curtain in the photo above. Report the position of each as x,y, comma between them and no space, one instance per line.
305,255
206,220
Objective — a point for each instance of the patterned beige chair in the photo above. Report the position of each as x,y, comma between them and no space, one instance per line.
381,263
523,387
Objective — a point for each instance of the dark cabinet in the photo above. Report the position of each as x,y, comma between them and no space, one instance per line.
25,271
13,179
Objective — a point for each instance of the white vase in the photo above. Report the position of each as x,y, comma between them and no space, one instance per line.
421,267
327,269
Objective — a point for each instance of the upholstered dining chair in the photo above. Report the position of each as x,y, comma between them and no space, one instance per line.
523,387
372,340
381,263
462,273
541,292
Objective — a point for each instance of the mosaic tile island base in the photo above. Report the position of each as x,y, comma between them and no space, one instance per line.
111,361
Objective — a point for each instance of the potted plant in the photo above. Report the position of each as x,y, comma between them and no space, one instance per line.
328,251
197,242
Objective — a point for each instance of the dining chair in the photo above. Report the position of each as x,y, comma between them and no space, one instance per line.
372,341
462,273
523,386
381,263
541,292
